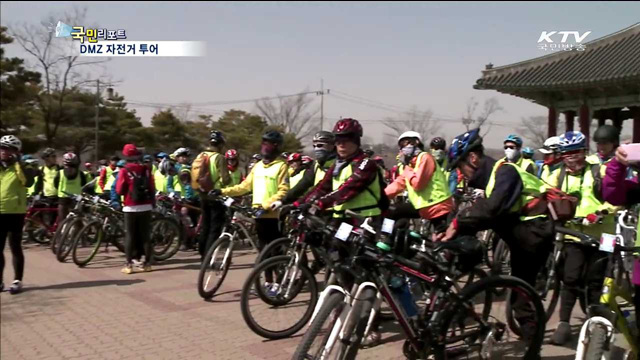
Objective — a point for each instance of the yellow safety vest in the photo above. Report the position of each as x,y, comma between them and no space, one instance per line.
160,182
48,176
107,176
236,177
110,180
13,194
365,203
435,192
265,181
532,188
294,180
70,186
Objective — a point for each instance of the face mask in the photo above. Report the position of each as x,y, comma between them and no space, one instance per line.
438,155
268,151
512,154
408,150
320,154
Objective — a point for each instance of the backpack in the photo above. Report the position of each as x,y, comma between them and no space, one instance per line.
141,191
201,173
557,204
383,200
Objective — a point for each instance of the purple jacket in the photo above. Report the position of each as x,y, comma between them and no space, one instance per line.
616,189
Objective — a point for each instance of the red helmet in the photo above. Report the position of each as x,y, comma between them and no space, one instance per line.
306,160
231,154
348,127
88,165
70,159
294,157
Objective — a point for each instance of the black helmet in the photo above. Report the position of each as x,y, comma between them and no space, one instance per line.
216,137
607,134
48,152
273,136
369,152
438,143
324,137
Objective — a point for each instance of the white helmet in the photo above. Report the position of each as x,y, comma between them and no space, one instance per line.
551,145
11,141
410,134
182,152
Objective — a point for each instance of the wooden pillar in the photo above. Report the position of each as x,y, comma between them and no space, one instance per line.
585,121
553,122
569,118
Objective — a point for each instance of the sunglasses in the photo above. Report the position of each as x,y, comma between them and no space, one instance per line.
509,147
319,146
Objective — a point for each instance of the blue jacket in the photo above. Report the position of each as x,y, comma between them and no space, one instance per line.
114,197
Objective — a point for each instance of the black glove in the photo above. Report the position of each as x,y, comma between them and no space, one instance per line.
214,193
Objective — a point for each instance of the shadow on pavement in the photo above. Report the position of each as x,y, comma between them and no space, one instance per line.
236,297
85,284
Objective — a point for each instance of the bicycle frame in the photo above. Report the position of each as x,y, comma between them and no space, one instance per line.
33,212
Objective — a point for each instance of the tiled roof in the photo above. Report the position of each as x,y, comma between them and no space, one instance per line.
611,59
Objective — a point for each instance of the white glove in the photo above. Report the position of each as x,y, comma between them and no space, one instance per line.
478,193
275,205
36,198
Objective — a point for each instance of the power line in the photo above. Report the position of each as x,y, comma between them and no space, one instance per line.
241,101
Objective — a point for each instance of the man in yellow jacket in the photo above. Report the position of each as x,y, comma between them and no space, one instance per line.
14,181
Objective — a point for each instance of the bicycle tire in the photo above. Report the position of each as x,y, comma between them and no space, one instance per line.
596,343
171,247
549,309
32,231
59,234
99,235
254,278
363,308
210,263
458,307
274,249
66,241
333,304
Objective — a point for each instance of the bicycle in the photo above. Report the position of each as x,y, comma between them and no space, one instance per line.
38,226
62,241
217,260
597,333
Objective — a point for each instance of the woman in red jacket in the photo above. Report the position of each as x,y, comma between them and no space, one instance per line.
136,184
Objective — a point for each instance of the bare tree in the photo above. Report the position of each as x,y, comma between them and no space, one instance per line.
292,113
470,119
414,120
59,63
534,129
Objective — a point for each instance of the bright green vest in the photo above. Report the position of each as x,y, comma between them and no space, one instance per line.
88,175
32,190
160,181
107,177
71,186
532,187
13,194
294,180
435,192
320,172
177,185
215,174
236,177
49,175
110,180
265,181
365,203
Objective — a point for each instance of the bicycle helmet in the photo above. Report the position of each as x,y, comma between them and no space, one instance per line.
47,152
231,154
607,134
369,152
121,164
462,145
182,152
294,157
147,158
11,141
165,166
216,137
324,137
26,158
551,145
572,140
410,135
285,155
162,155
306,160
514,139
438,143
348,126
527,152
70,159
273,136
88,165
256,157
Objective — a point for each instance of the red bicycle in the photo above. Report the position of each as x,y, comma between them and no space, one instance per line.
179,209
41,220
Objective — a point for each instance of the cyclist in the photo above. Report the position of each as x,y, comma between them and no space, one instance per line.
174,185
552,159
306,162
607,139
507,188
235,173
295,169
513,154
136,185
106,180
254,159
159,157
147,160
48,172
32,163
15,178
527,154
213,212
115,199
426,184
581,179
69,180
268,183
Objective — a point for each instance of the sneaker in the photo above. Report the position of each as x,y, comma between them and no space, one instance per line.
137,263
273,290
372,339
16,287
562,335
127,269
146,267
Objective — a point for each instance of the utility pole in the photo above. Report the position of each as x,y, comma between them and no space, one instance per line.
321,93
97,111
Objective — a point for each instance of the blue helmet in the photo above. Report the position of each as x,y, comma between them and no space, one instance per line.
26,157
162,155
572,140
528,152
121,163
462,145
514,139
146,158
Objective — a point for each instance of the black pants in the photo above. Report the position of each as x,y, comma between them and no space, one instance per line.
582,267
268,230
64,204
213,219
12,224
138,241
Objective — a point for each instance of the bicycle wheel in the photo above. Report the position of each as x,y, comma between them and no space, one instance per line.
322,334
86,243
286,306
65,244
214,267
362,309
596,343
488,337
34,231
60,233
276,247
166,237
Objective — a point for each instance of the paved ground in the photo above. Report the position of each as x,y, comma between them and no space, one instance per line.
98,313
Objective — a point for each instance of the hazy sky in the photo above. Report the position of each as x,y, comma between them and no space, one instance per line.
402,54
